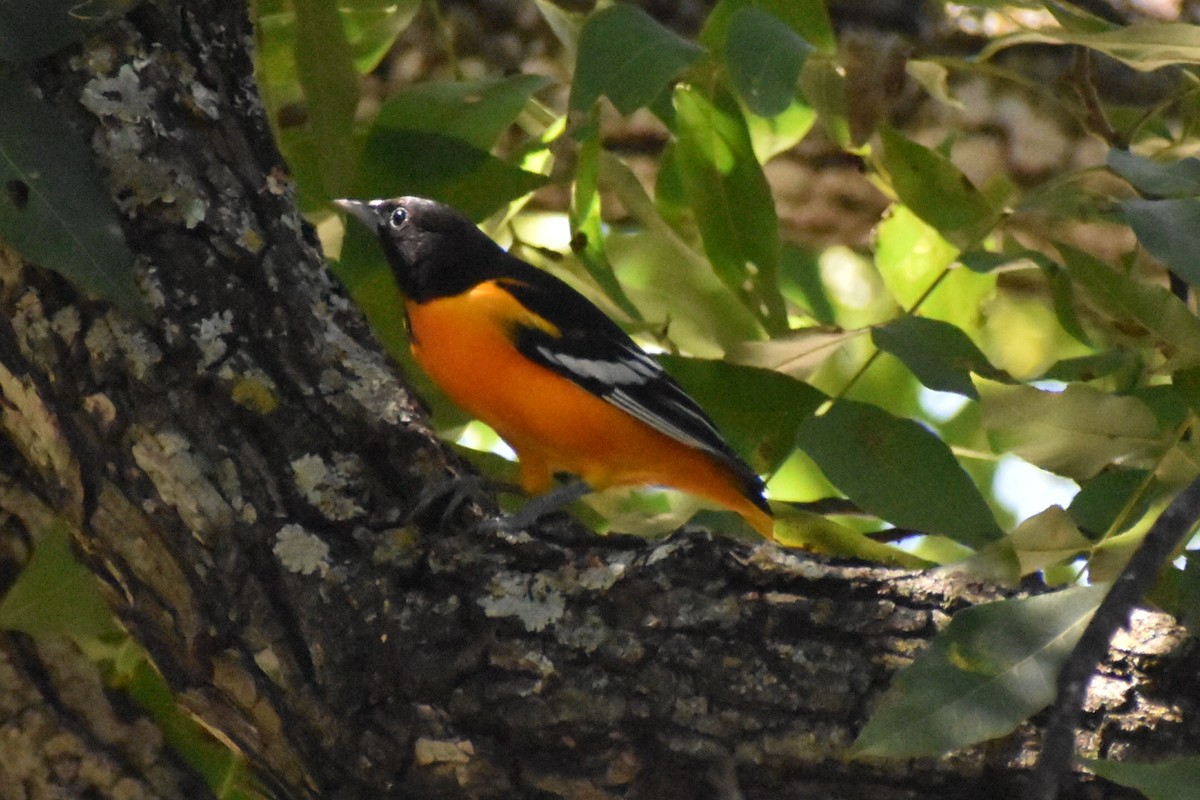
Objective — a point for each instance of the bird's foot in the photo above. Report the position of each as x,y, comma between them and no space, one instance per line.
538,507
440,504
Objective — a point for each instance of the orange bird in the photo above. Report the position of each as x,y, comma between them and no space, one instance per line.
556,378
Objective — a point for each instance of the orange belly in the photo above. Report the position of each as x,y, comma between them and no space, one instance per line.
551,423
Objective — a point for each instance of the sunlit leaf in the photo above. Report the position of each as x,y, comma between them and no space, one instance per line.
936,190
628,57
668,278
897,470
771,136
731,199
796,354
53,208
1145,46
818,534
1075,433
1150,306
939,354
933,78
1047,538
993,667
587,225
764,57
910,254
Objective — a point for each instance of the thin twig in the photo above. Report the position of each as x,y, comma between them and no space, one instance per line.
1058,748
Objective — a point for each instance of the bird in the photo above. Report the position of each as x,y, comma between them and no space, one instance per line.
561,383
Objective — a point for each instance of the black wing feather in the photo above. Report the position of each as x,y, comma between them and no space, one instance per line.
593,352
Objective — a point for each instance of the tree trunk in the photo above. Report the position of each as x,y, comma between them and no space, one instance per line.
239,471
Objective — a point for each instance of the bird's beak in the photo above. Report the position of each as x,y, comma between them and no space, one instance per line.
363,212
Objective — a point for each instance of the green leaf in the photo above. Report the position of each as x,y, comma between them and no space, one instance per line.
30,29
757,410
450,170
1078,20
764,57
818,534
729,193
655,263
934,79
1047,538
1145,47
1075,433
983,261
910,255
796,354
939,354
372,27
808,18
1122,363
55,594
898,470
325,68
993,667
1099,501
628,57
587,225
780,133
1177,592
1152,307
936,190
1155,178
53,208
800,281
475,112
1170,230
823,85
1172,779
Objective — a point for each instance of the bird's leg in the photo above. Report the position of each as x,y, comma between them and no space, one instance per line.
556,499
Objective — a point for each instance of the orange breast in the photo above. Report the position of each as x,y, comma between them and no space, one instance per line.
553,424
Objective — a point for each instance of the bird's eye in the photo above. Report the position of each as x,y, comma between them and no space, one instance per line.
399,217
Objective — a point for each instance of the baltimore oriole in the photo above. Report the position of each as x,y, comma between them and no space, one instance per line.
557,379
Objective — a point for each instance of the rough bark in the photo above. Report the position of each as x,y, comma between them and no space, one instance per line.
240,468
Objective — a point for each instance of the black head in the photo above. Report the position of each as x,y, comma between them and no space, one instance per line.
433,250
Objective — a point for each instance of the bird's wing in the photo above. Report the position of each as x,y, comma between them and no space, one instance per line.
593,352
